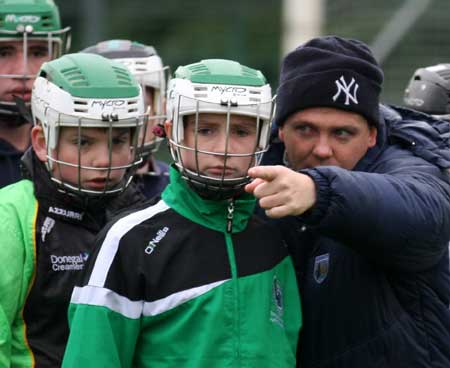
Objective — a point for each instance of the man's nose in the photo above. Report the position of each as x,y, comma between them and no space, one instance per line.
322,148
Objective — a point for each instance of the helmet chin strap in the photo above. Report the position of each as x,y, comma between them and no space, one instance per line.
215,189
15,115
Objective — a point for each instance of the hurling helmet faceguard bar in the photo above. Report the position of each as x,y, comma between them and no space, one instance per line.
59,120
221,182
26,33
151,121
134,163
259,111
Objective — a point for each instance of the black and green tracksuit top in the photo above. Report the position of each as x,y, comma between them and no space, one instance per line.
45,239
169,286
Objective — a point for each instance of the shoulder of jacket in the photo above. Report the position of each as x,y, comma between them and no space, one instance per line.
19,194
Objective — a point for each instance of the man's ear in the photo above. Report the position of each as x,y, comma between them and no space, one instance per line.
281,134
372,136
38,142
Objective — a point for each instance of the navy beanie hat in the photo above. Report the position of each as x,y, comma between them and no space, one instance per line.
330,71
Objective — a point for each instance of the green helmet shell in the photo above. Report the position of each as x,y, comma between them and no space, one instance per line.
220,71
41,15
90,76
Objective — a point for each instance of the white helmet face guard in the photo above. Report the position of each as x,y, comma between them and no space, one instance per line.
219,186
150,73
57,43
110,123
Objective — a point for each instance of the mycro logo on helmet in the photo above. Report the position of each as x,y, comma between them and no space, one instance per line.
108,103
154,242
13,18
228,89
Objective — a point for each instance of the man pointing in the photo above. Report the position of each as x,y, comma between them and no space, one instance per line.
369,203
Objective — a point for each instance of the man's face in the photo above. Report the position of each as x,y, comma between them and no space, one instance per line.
12,63
326,137
95,153
212,137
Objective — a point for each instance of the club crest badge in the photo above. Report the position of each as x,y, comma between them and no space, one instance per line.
276,313
321,267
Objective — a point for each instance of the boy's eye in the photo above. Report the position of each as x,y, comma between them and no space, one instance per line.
80,141
204,131
242,132
6,52
39,52
120,140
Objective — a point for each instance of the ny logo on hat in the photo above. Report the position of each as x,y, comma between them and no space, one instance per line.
343,87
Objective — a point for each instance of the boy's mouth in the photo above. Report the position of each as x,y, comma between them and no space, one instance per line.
219,171
99,183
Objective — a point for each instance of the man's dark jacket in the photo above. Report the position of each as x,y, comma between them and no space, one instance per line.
372,256
9,164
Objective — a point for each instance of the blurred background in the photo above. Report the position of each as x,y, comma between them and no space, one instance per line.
404,34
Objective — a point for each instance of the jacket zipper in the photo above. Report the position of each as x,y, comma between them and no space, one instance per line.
230,215
235,281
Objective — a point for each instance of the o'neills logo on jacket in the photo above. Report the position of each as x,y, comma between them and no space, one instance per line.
66,213
154,242
68,263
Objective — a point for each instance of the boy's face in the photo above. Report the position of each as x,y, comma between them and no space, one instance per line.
12,63
322,136
211,135
148,101
95,152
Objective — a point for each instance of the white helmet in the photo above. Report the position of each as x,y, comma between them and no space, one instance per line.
220,87
147,67
25,21
87,91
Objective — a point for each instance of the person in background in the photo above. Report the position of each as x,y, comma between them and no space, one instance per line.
147,67
30,34
428,91
367,189
194,279
88,112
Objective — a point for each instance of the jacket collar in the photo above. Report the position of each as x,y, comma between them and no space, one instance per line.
209,213
92,212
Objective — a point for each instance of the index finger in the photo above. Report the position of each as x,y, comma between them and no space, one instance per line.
267,173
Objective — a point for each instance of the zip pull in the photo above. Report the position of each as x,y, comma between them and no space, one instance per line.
230,215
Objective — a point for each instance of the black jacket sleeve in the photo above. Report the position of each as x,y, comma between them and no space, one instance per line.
398,214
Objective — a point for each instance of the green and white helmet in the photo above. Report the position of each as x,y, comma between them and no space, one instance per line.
87,91
220,87
147,67
25,20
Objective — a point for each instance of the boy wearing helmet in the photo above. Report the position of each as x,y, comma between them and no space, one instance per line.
147,67
88,111
428,91
194,280
30,34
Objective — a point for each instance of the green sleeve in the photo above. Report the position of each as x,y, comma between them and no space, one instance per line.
100,337
18,210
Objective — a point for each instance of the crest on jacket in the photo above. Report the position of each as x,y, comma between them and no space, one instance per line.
321,267
276,313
